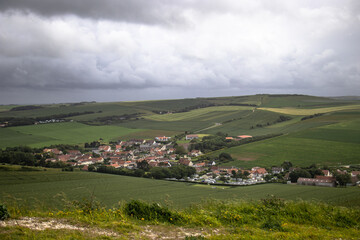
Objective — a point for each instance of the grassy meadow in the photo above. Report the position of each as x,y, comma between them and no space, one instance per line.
50,188
331,139
187,210
42,135
85,205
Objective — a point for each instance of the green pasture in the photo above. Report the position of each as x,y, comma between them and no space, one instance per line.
148,134
99,109
300,101
59,133
177,126
243,125
330,139
50,188
300,151
198,113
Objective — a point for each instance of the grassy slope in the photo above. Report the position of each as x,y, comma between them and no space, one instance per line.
311,111
330,139
59,133
49,187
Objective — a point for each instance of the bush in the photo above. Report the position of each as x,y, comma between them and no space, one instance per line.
145,211
4,214
272,224
87,205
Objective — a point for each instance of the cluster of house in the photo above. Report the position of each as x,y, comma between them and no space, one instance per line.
158,153
50,121
161,153
328,180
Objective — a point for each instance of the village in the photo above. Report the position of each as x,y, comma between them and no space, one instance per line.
161,152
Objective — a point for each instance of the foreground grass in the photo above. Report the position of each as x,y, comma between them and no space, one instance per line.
270,218
53,186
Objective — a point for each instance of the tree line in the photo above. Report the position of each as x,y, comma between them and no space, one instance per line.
177,171
17,121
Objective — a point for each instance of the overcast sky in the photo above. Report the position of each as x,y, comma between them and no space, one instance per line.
118,50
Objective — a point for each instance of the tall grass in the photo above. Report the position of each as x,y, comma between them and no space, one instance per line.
272,215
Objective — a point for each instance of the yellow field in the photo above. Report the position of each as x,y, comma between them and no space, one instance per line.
195,113
296,111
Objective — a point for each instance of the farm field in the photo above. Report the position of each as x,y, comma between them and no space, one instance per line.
311,111
203,113
329,140
49,188
59,133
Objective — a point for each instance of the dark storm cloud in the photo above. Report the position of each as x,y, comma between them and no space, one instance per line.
137,11
182,48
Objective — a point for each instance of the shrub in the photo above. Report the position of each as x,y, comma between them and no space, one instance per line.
154,211
272,224
4,214
87,205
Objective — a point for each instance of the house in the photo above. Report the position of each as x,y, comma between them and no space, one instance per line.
191,137
244,136
195,153
104,148
229,138
136,141
186,162
74,152
63,158
277,170
149,142
153,163
51,160
326,173
145,147
316,182
258,172
162,139
200,164
52,150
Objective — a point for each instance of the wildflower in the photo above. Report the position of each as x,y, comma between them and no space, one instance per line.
142,219
170,219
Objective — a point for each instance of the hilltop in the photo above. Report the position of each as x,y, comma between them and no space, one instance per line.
304,130
310,126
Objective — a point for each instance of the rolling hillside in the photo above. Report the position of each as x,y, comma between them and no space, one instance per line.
329,135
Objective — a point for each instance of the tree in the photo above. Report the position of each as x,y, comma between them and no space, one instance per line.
234,175
180,150
286,165
144,165
268,177
223,178
342,178
225,157
246,174
299,173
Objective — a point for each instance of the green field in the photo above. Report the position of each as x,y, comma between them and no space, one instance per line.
59,133
48,188
209,113
310,111
329,140
332,138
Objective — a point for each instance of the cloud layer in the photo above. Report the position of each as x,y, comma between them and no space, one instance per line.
225,47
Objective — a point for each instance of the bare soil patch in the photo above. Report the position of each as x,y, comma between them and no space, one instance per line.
41,224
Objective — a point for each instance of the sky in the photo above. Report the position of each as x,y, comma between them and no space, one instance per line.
55,51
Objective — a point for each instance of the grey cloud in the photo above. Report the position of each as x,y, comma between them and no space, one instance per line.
137,11
230,48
